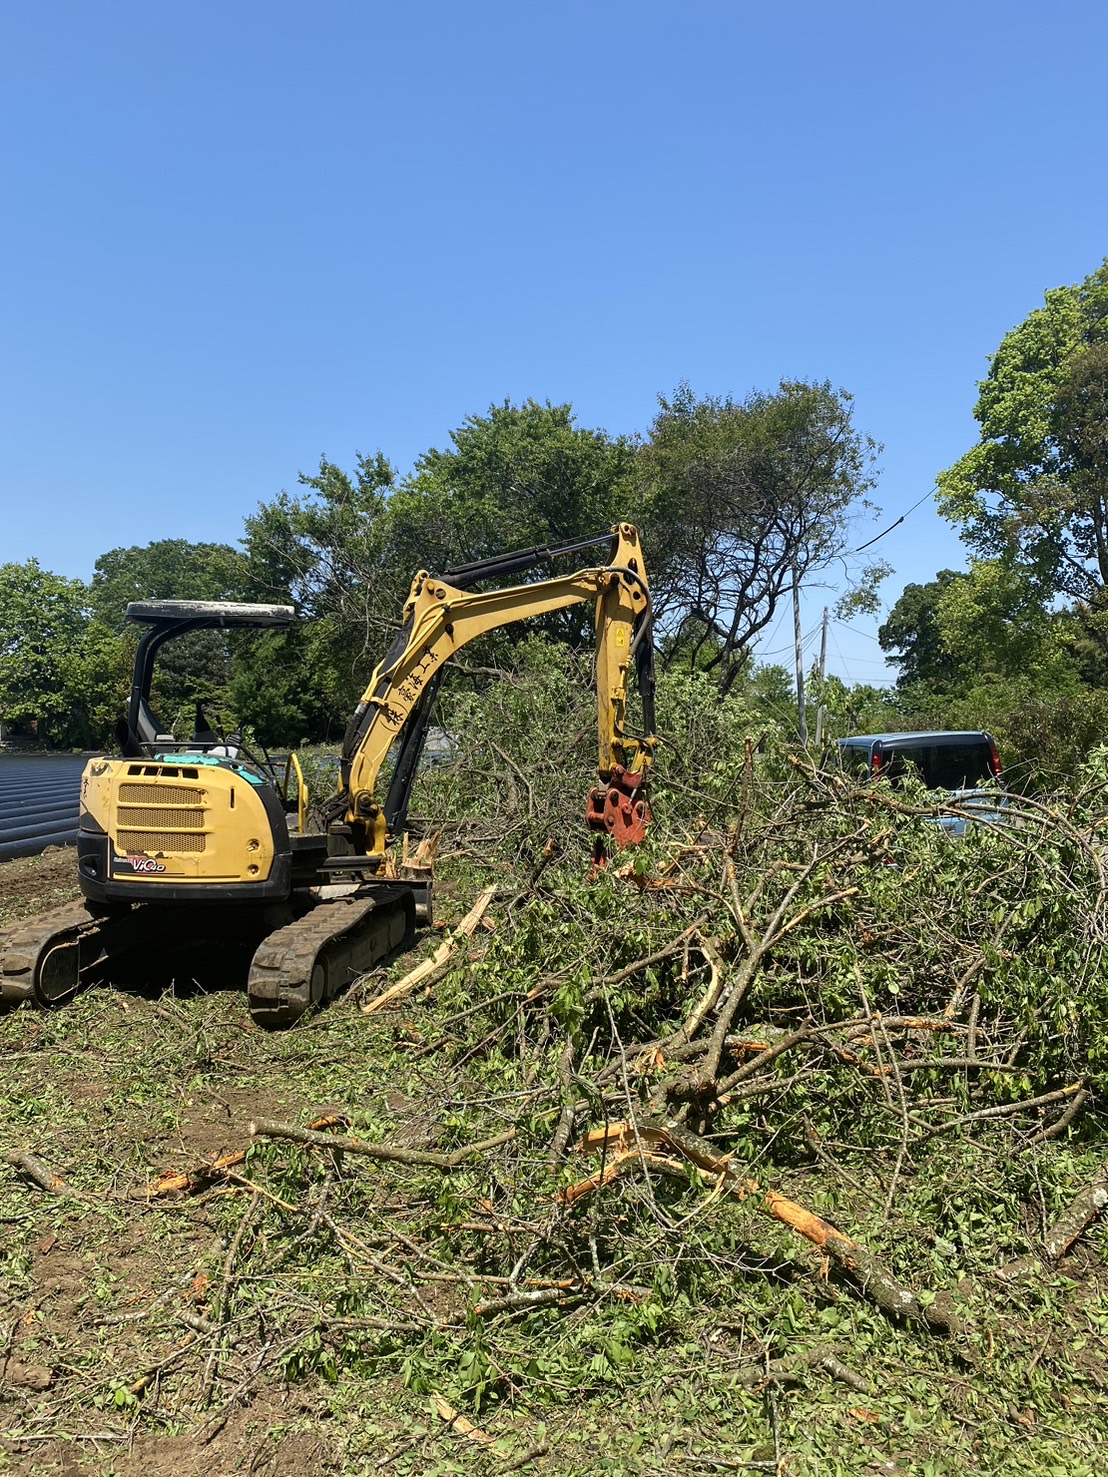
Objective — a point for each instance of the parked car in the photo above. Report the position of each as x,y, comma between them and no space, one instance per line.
956,764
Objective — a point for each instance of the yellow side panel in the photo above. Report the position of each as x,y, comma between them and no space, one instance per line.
177,823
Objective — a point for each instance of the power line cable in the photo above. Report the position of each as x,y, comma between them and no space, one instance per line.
858,631
897,524
864,661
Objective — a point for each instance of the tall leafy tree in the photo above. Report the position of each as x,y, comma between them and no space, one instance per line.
167,569
43,619
745,499
59,668
1034,489
325,550
321,548
994,623
912,635
345,546
197,667
518,476
985,625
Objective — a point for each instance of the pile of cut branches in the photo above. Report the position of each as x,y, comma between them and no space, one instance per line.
764,1129
799,1052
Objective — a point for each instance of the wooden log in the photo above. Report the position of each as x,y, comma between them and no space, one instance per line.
37,1170
440,957
267,1128
792,1371
1078,1216
866,1270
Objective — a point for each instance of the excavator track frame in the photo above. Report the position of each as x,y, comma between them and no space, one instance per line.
315,958
297,962
48,958
64,943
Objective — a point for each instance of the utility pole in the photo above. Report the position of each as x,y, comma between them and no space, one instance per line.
801,712
822,710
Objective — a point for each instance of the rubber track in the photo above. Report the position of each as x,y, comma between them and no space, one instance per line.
279,988
23,945
280,983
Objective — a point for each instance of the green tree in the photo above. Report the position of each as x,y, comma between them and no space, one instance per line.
1034,489
345,547
197,667
981,649
993,621
520,476
168,569
325,550
912,635
99,681
322,548
743,499
58,667
43,619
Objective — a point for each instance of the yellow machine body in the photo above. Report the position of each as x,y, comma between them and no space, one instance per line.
171,824
177,825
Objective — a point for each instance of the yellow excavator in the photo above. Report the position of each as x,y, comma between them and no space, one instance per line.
202,842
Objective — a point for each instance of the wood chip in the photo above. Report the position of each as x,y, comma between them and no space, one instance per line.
458,1422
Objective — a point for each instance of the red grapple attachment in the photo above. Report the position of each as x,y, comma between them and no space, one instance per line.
619,810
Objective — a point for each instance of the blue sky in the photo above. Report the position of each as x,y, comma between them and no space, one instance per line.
241,235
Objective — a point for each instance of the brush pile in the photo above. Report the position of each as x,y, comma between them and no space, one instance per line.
782,1126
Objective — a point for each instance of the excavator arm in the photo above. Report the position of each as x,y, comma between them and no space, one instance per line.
442,616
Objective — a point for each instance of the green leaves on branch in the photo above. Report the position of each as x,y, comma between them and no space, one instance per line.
1033,491
1019,642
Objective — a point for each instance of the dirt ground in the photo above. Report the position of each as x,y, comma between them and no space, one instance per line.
87,1274
35,883
254,1441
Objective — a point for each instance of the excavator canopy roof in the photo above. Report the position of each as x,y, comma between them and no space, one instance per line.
209,612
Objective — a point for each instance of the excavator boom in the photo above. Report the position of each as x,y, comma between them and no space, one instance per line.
441,618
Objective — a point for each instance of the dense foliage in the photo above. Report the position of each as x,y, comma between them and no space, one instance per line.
1032,491
1018,642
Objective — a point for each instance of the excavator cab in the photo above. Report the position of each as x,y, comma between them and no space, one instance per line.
141,734
196,819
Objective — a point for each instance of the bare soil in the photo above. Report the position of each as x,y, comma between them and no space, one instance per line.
111,1091
256,1441
34,883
